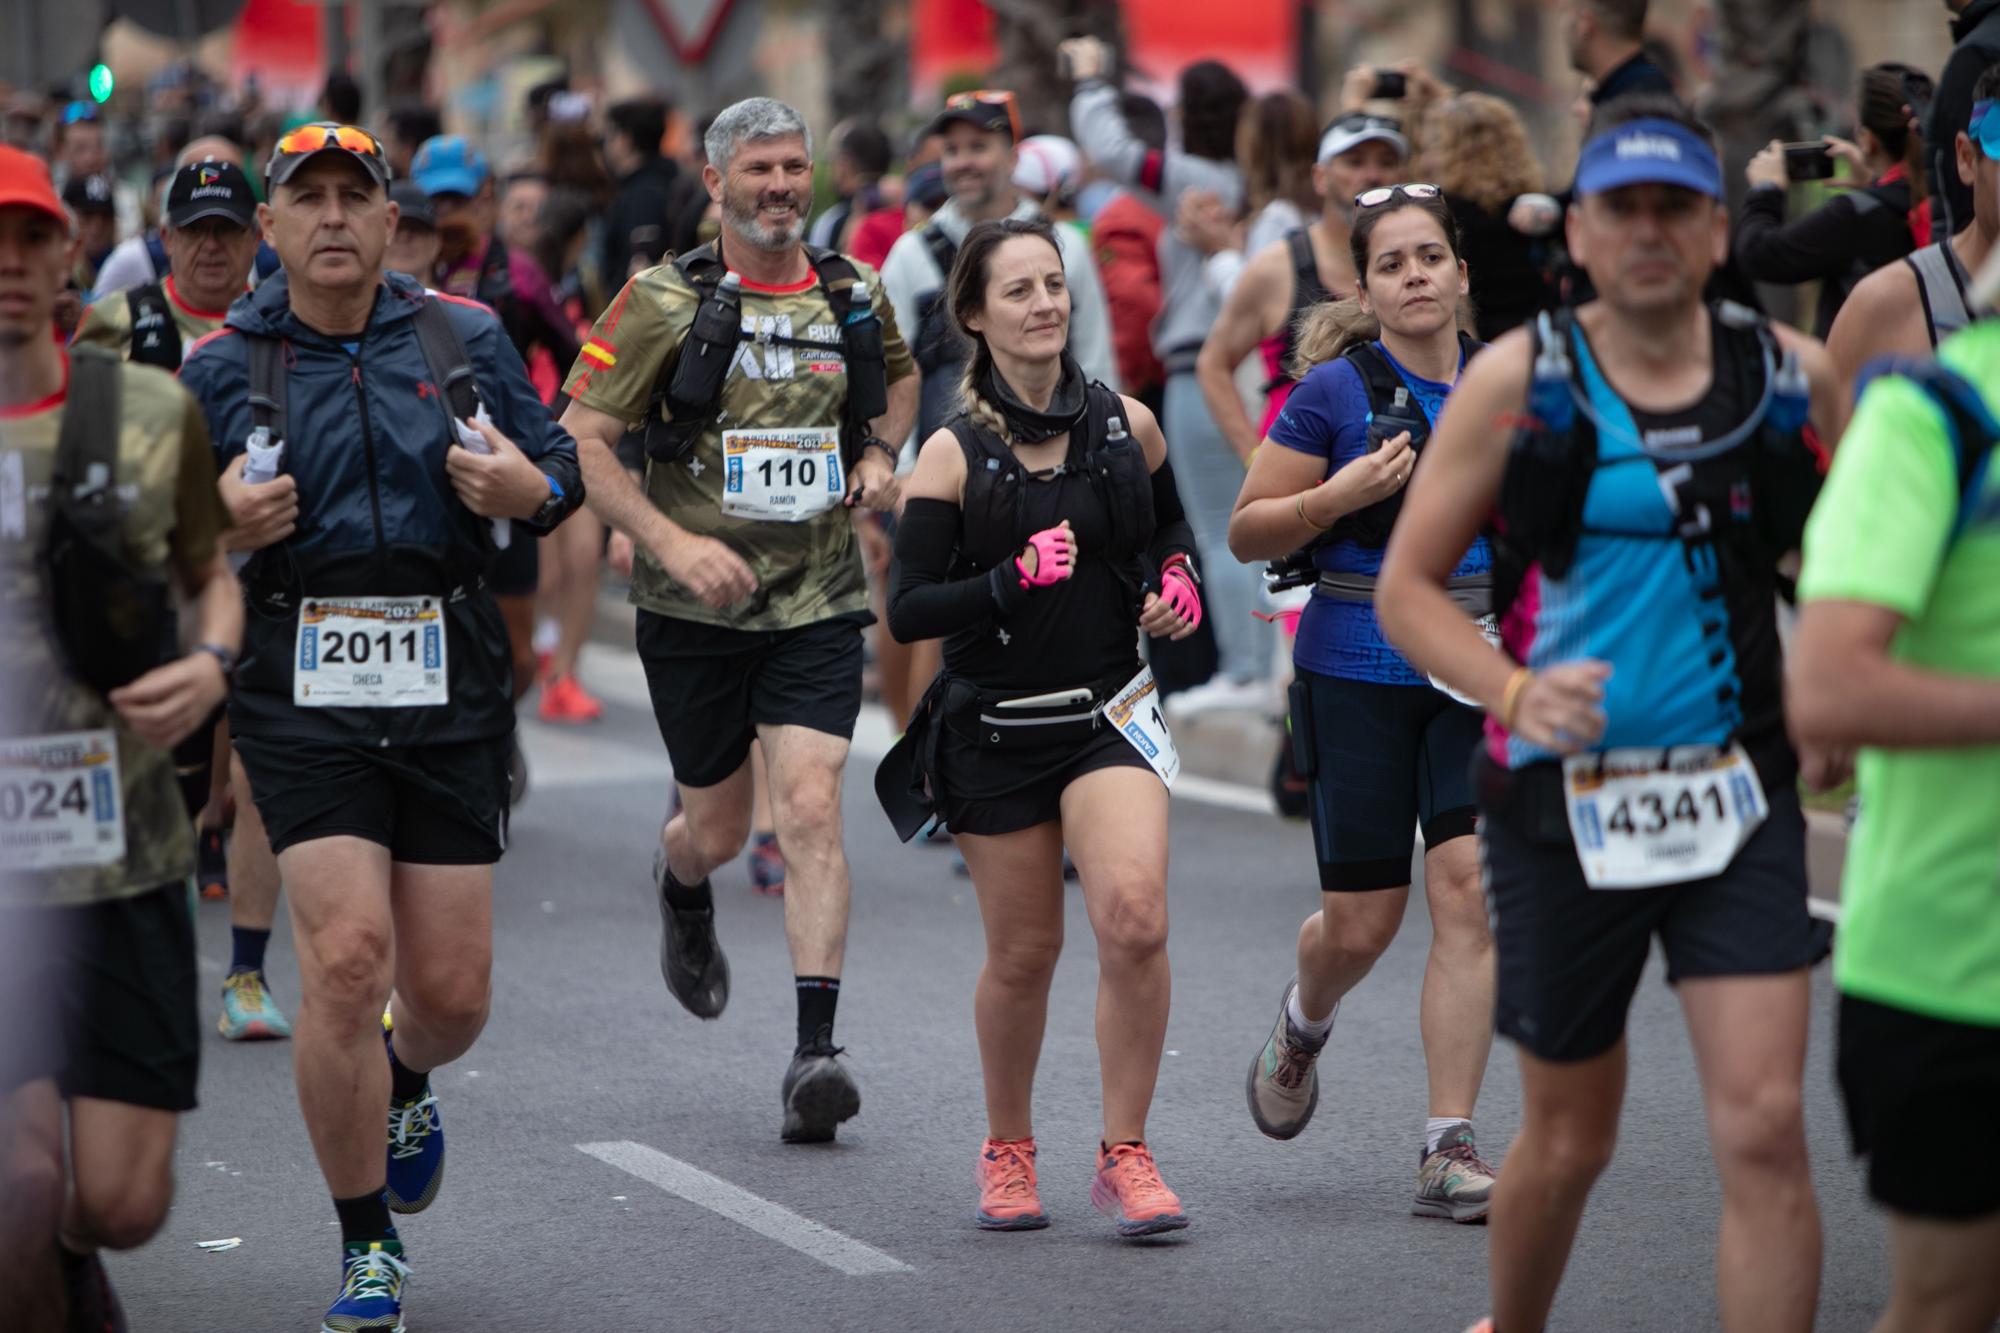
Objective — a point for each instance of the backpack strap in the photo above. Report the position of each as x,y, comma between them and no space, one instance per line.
445,354
156,339
1972,426
86,462
943,249
1307,288
267,383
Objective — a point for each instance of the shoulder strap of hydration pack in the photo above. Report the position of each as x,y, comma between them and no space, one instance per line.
86,463
1941,287
1307,289
267,383
1973,428
445,355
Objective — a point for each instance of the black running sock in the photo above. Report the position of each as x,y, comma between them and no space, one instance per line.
687,897
246,949
405,1084
364,1218
818,997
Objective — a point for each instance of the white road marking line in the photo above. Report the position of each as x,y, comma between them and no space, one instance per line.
810,1238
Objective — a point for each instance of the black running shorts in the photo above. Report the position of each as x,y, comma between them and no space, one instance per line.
1570,956
712,686
516,571
1381,762
1906,1079
106,994
442,805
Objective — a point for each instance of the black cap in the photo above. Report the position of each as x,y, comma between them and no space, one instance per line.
990,110
415,203
90,194
210,190
298,146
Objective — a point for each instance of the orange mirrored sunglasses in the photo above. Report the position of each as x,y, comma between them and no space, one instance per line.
999,97
312,138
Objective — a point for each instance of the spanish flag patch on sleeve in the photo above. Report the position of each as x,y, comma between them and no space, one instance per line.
601,353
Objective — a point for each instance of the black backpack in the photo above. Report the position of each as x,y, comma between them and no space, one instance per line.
691,393
114,621
156,338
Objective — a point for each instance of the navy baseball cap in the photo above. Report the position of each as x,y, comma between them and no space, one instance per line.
91,194
448,164
1648,151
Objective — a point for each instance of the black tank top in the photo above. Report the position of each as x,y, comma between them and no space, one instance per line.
1074,633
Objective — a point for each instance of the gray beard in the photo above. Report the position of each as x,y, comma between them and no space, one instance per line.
762,236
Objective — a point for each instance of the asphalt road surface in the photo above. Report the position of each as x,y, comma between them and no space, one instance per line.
615,1164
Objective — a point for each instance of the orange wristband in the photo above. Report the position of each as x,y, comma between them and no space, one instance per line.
1510,699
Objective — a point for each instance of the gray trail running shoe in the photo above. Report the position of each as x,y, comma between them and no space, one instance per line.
691,958
819,1092
1284,1087
1454,1182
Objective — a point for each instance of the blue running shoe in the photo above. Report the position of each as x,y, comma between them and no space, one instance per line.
371,1290
416,1150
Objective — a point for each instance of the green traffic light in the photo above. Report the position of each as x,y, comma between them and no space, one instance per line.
100,83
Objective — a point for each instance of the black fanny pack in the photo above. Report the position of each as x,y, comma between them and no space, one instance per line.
113,621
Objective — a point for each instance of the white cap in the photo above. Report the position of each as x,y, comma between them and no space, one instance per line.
1047,164
1358,127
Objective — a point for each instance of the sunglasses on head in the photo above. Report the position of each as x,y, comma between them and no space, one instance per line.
1383,194
312,138
1984,127
999,97
79,111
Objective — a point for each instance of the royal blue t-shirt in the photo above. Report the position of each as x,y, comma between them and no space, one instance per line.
1327,416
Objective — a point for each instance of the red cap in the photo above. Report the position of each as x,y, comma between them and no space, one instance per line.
25,183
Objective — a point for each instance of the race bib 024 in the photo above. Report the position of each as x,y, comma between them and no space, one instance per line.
781,475
370,652
61,803
1643,818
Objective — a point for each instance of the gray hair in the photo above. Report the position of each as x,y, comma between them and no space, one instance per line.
752,120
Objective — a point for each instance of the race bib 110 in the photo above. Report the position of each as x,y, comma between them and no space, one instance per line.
781,475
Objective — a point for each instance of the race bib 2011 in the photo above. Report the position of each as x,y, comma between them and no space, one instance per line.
370,652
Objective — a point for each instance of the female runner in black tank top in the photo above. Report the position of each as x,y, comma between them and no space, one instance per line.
1055,616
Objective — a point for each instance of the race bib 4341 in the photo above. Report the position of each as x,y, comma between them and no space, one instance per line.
1643,818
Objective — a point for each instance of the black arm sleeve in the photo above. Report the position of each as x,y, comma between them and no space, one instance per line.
1171,531
923,603
1822,244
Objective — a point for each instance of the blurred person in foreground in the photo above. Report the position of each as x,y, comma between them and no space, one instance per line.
107,1049
1861,228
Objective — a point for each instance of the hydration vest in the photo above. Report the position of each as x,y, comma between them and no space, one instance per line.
996,488
156,338
1941,284
1307,292
940,353
1970,424
1391,411
687,399
1745,495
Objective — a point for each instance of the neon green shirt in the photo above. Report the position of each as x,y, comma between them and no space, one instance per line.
1920,899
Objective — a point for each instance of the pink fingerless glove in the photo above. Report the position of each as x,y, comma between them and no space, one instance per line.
1178,591
1055,558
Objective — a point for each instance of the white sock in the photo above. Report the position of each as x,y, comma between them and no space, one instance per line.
1316,1028
1437,1127
548,634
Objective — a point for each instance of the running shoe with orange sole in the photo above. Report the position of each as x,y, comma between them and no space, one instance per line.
1128,1190
564,700
1008,1199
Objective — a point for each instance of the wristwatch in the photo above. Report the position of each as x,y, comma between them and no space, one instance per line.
552,507
222,655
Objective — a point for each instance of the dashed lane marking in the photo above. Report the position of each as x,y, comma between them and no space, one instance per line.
810,1238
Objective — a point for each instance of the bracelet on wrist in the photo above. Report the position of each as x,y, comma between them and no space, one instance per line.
1307,518
1510,699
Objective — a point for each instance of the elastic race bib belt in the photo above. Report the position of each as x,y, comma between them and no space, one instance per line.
1647,817
1489,625
370,652
60,801
1135,711
785,476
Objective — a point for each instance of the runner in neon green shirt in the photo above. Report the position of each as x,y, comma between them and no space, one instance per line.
1898,653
